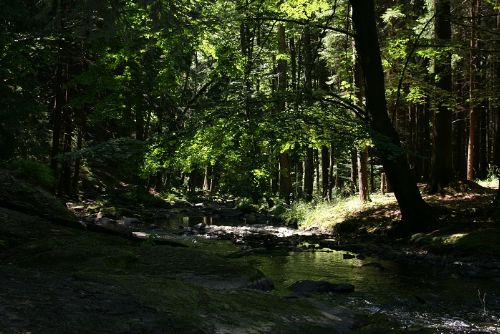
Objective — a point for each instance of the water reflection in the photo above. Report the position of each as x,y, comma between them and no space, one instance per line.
413,296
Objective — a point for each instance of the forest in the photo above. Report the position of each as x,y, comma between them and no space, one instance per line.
228,166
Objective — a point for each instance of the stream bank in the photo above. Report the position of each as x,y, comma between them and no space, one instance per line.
230,276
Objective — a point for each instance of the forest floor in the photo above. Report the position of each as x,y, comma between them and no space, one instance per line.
466,235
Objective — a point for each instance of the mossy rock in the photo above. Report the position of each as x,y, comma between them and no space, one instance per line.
17,194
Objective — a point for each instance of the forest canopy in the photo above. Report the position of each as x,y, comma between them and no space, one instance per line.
251,98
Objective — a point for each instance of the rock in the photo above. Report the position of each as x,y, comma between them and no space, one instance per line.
263,284
106,221
131,221
347,256
306,287
19,195
375,265
110,212
329,243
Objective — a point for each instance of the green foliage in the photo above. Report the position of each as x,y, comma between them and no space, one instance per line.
35,171
393,14
246,205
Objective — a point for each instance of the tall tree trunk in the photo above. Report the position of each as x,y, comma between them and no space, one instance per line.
354,170
473,74
325,171
442,171
362,152
66,175
308,174
497,116
309,157
332,163
363,174
285,184
317,169
57,121
416,214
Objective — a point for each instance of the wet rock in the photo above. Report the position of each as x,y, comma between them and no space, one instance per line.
105,221
131,221
307,287
375,265
263,284
329,243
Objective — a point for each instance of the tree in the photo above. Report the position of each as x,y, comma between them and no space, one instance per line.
442,171
416,214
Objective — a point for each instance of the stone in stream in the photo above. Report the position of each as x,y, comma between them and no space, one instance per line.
307,287
263,284
131,221
329,243
375,265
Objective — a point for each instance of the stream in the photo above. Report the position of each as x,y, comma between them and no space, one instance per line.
404,298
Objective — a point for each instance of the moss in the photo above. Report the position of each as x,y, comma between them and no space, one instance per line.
485,241
481,242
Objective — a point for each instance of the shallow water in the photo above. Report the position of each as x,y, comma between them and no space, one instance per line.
415,298
412,298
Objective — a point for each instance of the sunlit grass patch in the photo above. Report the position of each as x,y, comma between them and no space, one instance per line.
325,215
491,182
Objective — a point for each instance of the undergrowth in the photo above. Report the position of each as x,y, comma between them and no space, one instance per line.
325,215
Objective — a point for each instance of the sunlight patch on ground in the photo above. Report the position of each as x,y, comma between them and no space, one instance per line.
325,215
454,238
491,183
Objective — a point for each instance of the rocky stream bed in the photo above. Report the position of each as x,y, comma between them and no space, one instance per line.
198,269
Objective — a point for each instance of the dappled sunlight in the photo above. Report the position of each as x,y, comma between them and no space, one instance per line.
454,238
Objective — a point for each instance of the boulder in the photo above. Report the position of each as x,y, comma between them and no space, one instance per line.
19,195
263,284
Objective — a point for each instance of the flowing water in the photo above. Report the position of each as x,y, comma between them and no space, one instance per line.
406,297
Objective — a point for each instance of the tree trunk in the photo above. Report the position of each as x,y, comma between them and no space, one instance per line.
285,181
317,170
332,164
442,171
416,214
363,174
362,152
309,158
354,170
57,121
325,171
308,174
497,116
473,71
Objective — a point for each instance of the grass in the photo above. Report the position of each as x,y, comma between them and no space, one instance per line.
326,215
490,182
